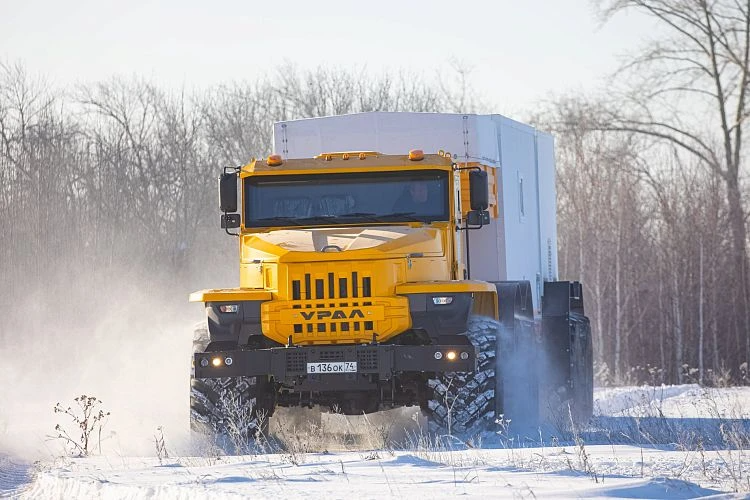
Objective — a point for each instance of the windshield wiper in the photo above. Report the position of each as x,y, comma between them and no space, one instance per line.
368,216
283,220
410,216
298,221
315,218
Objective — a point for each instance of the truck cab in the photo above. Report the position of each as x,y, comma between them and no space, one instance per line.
350,263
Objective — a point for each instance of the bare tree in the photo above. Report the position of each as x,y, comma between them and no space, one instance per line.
690,90
600,217
637,223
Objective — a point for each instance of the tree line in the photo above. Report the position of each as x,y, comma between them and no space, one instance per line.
652,197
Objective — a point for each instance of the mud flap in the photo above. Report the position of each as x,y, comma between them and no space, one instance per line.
517,380
568,381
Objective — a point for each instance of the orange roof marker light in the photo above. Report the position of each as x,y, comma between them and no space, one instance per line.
345,156
362,156
274,161
416,155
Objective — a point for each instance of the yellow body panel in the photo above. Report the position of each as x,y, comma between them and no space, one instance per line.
229,295
445,287
338,315
492,182
485,304
371,162
323,321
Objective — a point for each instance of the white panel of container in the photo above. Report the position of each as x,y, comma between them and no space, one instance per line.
389,133
518,157
547,204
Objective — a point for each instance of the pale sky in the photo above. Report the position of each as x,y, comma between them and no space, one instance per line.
520,51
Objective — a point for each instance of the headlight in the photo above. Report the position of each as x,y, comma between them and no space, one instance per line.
216,361
204,362
228,361
451,355
464,355
229,308
442,301
438,355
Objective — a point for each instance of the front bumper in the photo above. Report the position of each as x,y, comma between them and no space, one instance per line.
382,360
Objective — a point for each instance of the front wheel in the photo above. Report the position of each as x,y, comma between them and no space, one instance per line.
226,412
464,402
505,384
230,413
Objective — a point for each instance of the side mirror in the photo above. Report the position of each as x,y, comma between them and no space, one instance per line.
228,192
479,193
477,218
230,221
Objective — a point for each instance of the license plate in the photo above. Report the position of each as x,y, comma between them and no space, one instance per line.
334,367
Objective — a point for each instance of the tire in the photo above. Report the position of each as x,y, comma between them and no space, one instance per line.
569,377
506,388
568,350
582,404
465,402
232,412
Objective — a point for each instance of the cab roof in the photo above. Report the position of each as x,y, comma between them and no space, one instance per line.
354,160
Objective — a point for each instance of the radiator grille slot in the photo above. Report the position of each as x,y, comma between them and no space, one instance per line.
351,287
296,361
332,355
367,359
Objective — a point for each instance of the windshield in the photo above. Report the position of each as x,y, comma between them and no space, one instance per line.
295,200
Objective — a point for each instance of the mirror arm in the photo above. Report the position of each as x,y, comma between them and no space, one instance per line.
467,227
227,230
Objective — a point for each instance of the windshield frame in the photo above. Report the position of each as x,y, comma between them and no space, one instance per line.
401,178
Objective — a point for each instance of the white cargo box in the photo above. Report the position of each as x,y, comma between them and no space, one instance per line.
522,243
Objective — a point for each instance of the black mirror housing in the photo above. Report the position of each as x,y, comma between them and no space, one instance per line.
479,194
230,221
228,192
478,218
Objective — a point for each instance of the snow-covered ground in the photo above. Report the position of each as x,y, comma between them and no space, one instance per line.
645,442
527,473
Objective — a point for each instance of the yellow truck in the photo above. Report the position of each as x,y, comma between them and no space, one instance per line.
355,294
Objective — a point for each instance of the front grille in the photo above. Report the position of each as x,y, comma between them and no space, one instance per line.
331,355
296,361
331,292
367,358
